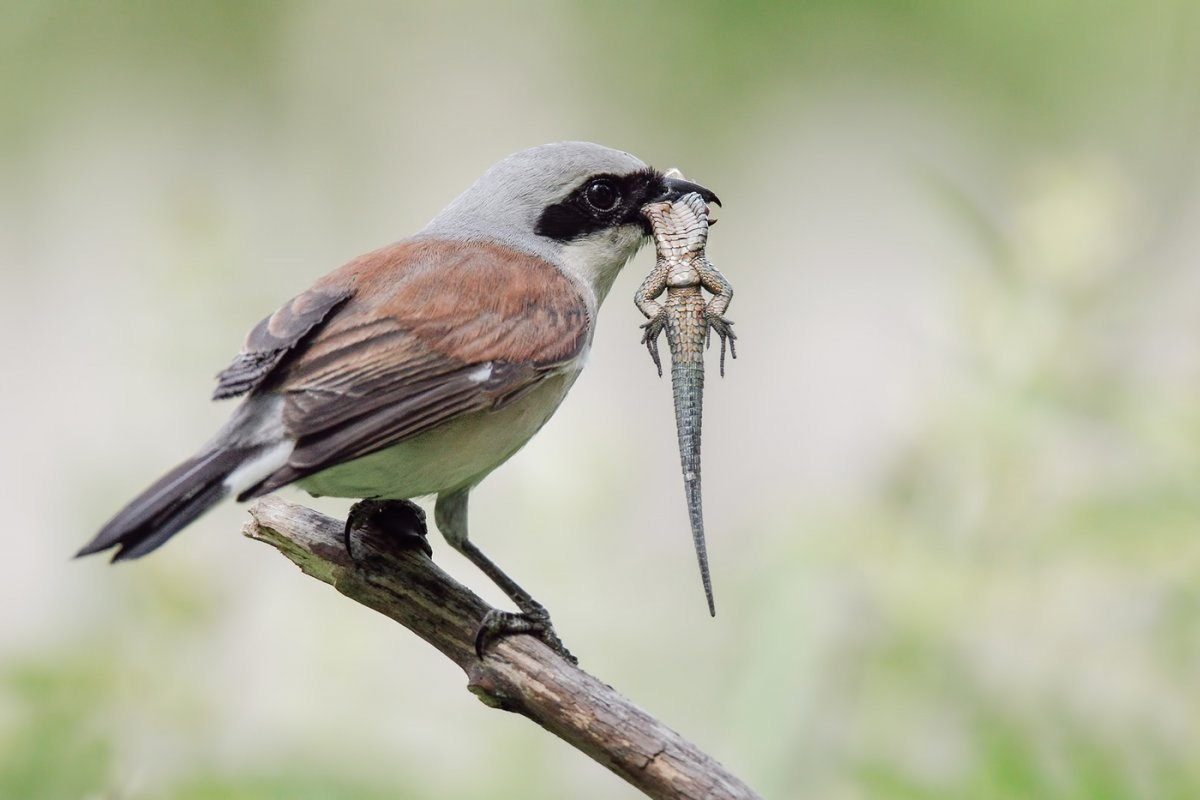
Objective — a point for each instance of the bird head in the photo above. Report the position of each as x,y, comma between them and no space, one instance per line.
576,204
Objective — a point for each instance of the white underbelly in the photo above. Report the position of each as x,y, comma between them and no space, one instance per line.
454,455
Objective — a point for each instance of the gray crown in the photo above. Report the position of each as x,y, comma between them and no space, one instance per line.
505,203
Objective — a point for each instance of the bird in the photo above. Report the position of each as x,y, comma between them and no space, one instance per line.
417,369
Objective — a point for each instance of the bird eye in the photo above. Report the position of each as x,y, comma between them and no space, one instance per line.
601,195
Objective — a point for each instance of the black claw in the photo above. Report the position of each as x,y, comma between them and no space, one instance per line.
401,521
481,640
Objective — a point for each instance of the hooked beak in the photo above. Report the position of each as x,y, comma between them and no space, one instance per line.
677,187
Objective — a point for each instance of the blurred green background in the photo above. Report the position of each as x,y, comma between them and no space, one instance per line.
952,482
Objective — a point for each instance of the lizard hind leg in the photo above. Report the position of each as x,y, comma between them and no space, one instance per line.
724,331
650,338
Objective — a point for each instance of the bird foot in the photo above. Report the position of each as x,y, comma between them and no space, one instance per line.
498,624
401,522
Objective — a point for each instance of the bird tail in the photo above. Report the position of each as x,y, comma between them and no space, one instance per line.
175,500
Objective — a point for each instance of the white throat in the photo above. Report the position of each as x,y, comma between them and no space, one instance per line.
595,260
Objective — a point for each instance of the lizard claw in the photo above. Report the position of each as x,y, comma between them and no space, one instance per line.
724,329
650,338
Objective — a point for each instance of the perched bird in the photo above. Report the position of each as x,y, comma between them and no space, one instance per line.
419,368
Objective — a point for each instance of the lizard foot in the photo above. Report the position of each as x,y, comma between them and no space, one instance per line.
402,521
497,624
650,338
724,330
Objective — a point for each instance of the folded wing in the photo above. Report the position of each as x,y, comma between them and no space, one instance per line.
432,331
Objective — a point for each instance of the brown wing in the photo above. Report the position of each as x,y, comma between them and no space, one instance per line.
409,349
274,337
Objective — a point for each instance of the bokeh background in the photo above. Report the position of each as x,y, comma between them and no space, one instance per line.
952,482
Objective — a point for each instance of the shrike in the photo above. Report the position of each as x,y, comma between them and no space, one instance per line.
419,368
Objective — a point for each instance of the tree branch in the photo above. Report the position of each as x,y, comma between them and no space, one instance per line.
518,673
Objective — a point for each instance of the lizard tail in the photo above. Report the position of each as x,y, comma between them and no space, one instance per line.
687,382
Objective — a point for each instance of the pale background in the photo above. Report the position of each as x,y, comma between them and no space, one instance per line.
952,483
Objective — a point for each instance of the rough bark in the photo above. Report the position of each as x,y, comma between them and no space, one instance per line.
518,674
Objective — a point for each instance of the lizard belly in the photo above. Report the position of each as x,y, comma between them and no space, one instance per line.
456,454
683,275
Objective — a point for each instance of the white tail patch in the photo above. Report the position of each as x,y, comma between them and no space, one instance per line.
259,467
481,373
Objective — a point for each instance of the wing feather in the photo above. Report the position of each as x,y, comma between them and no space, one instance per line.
273,338
403,354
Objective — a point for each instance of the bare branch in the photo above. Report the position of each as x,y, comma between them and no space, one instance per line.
518,674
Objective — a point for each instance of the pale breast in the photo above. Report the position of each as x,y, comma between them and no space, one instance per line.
454,455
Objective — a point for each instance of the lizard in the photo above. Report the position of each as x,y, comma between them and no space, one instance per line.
682,269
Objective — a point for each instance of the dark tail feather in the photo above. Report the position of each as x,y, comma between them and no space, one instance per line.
175,500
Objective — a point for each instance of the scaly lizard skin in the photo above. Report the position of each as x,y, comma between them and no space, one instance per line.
682,270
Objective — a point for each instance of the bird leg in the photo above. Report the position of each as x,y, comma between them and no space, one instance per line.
533,618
